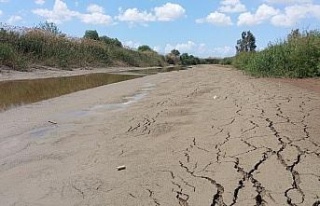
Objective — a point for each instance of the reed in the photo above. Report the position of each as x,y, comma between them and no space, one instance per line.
23,49
296,57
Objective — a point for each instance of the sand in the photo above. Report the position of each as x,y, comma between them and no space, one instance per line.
204,136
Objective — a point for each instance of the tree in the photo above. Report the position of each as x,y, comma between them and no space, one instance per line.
247,43
111,41
187,59
49,27
91,34
144,48
175,52
173,57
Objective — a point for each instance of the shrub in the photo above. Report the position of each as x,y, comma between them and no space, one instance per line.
20,49
298,56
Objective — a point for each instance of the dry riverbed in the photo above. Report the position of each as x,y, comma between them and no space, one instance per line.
204,136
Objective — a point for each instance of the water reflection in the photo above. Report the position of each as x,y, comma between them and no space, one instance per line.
19,92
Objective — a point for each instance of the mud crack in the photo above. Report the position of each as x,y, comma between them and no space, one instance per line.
249,176
217,198
151,195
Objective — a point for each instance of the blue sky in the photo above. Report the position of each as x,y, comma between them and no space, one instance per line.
203,28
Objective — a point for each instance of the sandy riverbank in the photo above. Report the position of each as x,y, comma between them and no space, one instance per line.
204,136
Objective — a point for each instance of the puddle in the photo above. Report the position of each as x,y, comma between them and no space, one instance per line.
152,71
20,92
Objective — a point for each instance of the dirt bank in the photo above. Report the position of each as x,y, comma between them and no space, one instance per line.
46,72
204,136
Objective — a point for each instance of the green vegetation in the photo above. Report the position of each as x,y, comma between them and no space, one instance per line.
184,59
173,57
46,45
144,48
91,34
187,59
49,27
297,57
247,43
28,91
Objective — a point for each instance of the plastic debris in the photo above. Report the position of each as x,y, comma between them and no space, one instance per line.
122,167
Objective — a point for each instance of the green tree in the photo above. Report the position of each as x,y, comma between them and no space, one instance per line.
187,59
91,34
247,43
144,48
49,27
111,41
175,52
173,57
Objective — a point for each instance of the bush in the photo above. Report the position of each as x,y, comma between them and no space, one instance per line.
298,57
7,55
36,46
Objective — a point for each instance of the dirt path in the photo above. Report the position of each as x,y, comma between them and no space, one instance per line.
206,136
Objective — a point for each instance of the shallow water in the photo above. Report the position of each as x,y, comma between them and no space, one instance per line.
19,92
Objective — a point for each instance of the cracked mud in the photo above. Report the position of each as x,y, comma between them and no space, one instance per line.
206,136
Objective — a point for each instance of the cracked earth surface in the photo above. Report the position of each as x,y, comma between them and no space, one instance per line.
206,136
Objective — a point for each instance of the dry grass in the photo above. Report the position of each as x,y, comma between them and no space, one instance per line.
25,48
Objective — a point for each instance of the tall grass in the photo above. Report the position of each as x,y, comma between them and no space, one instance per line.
22,49
297,57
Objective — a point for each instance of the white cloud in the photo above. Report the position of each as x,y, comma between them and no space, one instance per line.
1,12
96,16
14,19
4,1
157,49
40,2
169,12
232,6
216,18
61,13
263,13
200,49
131,44
293,14
288,1
58,14
94,8
182,47
133,15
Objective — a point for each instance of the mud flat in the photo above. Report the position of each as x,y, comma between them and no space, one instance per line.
204,136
